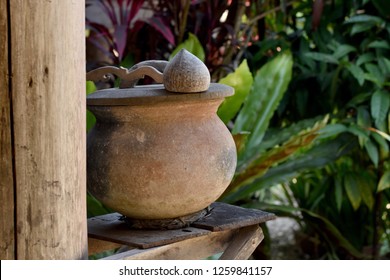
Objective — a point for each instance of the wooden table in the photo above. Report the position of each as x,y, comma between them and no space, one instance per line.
233,230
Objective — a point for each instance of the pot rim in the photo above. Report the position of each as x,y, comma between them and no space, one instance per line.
151,94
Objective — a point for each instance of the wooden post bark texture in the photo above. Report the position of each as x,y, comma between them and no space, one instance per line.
7,244
48,99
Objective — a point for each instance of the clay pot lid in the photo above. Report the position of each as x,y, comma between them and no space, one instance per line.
152,94
183,78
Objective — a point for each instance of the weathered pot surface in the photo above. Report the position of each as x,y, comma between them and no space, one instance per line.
156,154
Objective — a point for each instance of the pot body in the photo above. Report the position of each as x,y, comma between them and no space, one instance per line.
161,160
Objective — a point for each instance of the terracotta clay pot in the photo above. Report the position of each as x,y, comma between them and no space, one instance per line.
155,154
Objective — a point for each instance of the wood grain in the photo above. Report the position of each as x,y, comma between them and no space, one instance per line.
48,97
7,242
110,228
190,249
243,244
225,216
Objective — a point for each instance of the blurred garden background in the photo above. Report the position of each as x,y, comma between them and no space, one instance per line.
310,116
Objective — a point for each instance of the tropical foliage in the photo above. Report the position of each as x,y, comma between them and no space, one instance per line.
310,115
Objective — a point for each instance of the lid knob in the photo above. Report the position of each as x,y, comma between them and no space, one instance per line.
186,73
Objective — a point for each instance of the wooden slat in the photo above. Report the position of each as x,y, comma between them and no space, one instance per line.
110,228
244,243
190,249
7,242
224,217
97,246
49,114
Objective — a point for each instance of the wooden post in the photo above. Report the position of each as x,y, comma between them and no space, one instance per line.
47,60
7,244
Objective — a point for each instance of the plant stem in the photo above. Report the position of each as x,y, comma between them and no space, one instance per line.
183,20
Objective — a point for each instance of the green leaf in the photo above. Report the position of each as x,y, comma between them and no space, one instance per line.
338,192
384,182
128,61
357,72
332,130
322,57
277,136
95,207
315,157
278,154
361,133
363,117
91,120
375,75
268,88
343,50
372,151
90,87
380,104
241,80
361,27
364,58
364,18
384,65
352,190
383,145
192,45
364,185
379,44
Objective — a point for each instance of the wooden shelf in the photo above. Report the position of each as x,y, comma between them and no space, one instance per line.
227,228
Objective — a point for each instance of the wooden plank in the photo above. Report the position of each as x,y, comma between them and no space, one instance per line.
243,244
96,246
190,249
7,242
49,114
224,217
110,228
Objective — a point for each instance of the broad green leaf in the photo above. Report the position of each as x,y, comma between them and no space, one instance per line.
268,88
380,104
375,74
241,80
379,44
364,58
343,50
352,190
361,133
364,18
278,154
90,88
361,27
95,207
332,130
365,190
383,144
192,45
359,99
381,133
338,192
357,72
372,151
277,136
384,65
127,61
363,117
322,57
384,182
315,157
